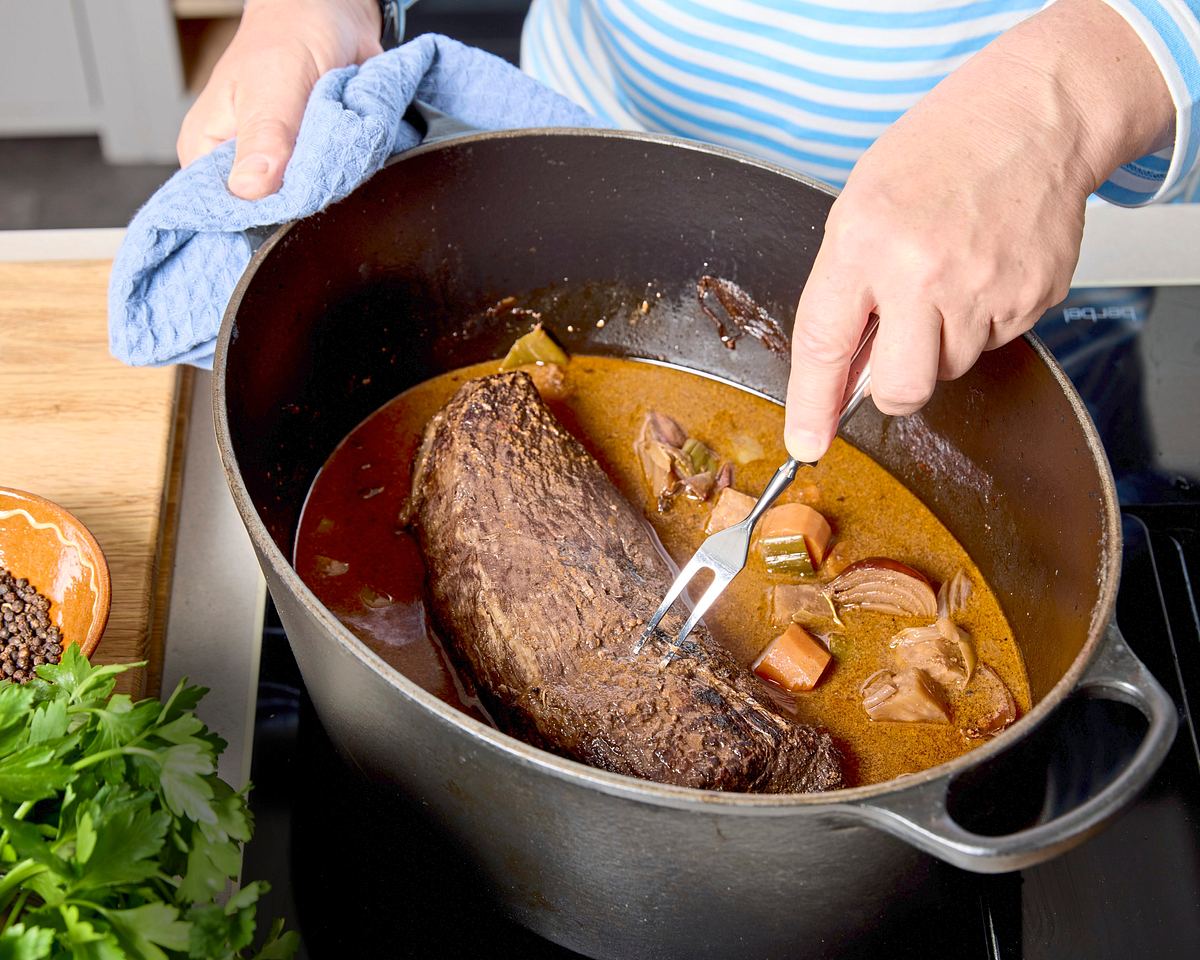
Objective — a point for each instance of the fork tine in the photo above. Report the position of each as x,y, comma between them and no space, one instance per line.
694,566
715,589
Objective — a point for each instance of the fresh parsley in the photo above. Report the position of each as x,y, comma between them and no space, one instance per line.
118,841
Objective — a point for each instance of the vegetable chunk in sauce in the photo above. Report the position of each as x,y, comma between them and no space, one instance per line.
351,551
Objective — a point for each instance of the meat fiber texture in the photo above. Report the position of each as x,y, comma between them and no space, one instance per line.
542,577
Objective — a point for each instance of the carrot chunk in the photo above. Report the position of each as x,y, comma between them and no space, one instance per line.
794,660
731,507
791,532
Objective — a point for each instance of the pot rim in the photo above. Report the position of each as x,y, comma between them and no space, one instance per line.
779,804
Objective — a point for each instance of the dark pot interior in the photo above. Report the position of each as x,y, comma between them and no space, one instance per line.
350,307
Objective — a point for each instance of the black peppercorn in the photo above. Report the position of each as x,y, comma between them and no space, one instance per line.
28,637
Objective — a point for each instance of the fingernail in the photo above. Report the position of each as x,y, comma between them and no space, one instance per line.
255,165
805,445
250,171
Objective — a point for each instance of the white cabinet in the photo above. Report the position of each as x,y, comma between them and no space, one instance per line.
111,67
46,69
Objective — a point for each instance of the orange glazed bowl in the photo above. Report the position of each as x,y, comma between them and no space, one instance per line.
45,544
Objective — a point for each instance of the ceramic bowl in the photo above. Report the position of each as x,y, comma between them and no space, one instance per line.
46,545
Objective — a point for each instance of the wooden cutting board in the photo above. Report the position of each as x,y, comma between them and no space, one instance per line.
102,439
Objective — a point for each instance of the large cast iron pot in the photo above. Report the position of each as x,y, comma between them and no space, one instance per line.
342,311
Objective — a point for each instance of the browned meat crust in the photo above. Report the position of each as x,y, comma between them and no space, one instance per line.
542,576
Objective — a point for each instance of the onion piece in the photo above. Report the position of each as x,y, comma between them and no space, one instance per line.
674,463
885,586
328,567
661,459
699,485
746,449
1004,711
660,427
877,688
941,650
799,602
905,697
732,507
375,599
953,595
655,459
966,646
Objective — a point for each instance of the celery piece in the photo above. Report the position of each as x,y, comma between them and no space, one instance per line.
702,458
787,556
838,644
537,346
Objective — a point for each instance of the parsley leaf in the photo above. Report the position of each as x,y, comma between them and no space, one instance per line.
129,833
15,703
142,930
118,841
210,860
49,721
17,943
187,793
279,945
85,940
121,722
32,774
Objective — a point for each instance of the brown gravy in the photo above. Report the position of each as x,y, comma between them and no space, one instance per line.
368,572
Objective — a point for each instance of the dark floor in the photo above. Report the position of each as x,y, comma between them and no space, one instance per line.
63,182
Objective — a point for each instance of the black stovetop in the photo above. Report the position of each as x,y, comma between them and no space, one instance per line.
1133,890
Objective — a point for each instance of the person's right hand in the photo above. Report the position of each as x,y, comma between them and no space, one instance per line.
962,223
260,86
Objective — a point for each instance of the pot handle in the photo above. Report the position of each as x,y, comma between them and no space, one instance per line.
440,126
919,815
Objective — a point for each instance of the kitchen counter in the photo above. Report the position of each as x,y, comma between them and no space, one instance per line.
99,439
196,582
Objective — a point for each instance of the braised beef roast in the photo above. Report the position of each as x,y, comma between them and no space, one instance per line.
541,577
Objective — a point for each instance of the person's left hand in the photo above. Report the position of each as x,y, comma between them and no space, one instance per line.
961,225
259,88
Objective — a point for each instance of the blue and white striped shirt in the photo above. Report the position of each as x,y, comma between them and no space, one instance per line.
811,83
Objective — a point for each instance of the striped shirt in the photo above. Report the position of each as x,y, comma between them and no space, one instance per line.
811,83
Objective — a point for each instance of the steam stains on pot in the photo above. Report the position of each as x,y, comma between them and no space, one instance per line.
940,455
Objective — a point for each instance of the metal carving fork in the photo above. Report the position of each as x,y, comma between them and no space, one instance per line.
725,552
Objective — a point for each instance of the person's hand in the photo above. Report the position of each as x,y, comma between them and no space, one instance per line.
962,223
260,86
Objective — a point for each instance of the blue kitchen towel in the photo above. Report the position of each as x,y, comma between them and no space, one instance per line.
186,248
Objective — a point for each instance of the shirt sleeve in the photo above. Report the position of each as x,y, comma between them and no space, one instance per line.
1170,29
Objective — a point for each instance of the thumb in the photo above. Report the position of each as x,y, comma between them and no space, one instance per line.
268,118
830,320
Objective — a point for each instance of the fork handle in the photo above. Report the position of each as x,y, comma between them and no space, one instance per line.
780,482
858,377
